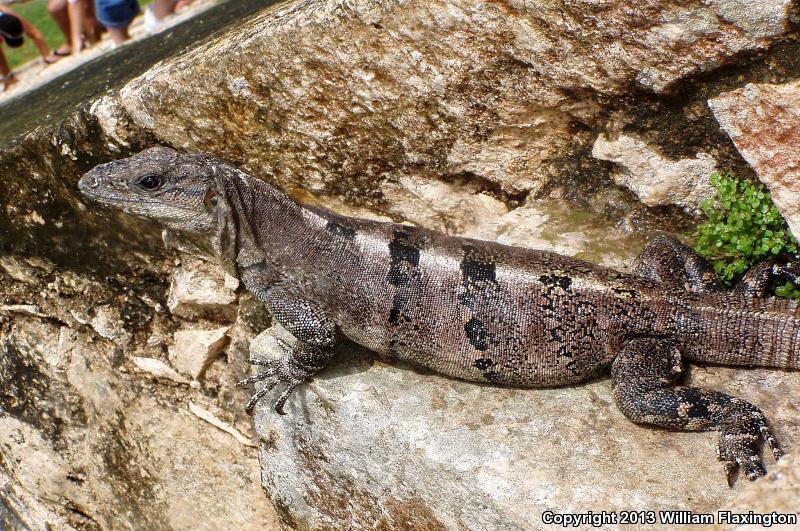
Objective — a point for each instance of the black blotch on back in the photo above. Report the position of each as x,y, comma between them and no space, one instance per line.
475,268
399,302
562,281
404,256
340,230
493,376
483,363
477,333
626,292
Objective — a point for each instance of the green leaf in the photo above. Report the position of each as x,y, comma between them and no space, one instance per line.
743,227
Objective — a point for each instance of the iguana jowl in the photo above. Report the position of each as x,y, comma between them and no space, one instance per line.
474,309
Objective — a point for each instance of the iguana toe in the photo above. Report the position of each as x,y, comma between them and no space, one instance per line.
284,370
269,386
740,438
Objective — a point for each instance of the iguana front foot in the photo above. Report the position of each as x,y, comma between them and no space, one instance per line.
741,430
296,366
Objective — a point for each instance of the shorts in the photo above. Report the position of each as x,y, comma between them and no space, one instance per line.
117,14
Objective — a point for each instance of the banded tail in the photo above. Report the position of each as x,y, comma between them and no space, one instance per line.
731,330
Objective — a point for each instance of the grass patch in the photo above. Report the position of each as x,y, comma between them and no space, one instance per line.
744,227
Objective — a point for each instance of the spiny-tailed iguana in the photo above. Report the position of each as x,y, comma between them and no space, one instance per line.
474,309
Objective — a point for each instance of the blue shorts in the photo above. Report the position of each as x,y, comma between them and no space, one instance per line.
117,14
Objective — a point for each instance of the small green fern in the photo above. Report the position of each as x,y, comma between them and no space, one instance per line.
743,228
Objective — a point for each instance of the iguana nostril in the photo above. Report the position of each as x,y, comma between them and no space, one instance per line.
88,182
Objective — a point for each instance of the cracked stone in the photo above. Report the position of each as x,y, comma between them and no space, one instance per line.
764,123
655,179
201,289
194,350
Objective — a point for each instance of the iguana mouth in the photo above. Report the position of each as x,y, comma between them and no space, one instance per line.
89,185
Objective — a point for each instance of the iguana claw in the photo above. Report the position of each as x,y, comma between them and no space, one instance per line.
740,439
284,370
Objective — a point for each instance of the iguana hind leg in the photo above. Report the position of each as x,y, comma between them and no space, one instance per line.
316,335
758,279
644,377
668,261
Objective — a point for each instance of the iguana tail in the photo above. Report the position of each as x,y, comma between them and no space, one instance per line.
734,331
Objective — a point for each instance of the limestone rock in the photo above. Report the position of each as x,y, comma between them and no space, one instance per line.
18,269
373,441
654,179
340,97
25,309
451,208
107,322
38,470
764,123
158,369
558,226
201,289
194,350
86,446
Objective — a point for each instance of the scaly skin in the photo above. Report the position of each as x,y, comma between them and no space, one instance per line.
473,309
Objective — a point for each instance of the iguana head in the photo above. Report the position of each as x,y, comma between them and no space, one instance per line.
176,189
186,192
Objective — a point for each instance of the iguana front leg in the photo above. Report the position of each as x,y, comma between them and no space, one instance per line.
315,333
644,378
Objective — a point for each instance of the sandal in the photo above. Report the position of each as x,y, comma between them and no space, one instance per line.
65,52
50,59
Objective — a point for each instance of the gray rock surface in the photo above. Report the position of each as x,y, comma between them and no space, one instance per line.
655,179
779,492
764,123
375,442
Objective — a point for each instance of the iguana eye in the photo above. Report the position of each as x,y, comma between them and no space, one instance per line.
211,198
150,182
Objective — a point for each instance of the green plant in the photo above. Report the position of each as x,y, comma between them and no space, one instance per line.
743,228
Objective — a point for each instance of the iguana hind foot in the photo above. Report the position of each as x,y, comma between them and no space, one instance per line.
644,378
670,262
757,280
741,431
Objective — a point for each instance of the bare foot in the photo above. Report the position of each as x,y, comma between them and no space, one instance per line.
93,36
8,81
